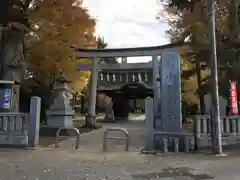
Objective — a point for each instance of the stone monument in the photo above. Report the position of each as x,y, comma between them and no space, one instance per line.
167,120
61,112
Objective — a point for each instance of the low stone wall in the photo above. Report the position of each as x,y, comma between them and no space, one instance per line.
199,138
230,128
14,128
21,129
186,141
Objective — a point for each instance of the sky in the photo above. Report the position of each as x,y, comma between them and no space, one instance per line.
128,23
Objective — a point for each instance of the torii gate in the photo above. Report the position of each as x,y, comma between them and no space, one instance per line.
161,70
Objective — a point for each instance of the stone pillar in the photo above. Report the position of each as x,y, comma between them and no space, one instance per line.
156,82
149,133
34,122
156,91
171,112
91,116
61,112
15,98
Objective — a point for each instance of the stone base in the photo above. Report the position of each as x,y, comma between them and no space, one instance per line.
205,141
14,140
57,121
185,139
91,119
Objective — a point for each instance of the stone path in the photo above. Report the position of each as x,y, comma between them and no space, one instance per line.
89,162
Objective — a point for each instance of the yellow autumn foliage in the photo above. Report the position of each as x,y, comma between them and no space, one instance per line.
56,26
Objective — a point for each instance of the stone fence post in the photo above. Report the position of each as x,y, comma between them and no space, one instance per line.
34,122
149,115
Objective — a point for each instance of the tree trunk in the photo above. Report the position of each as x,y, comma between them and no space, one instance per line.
11,54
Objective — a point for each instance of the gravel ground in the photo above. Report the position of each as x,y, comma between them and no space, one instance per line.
89,162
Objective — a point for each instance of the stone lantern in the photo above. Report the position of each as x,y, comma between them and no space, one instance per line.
61,112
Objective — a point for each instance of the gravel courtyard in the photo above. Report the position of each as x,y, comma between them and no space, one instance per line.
90,162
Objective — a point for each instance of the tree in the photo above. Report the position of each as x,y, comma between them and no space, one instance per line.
58,25
191,24
189,85
101,44
14,24
49,29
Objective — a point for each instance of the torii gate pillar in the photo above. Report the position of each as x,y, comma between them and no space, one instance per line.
91,116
